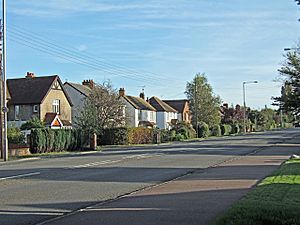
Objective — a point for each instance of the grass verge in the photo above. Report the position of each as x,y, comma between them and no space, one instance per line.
275,201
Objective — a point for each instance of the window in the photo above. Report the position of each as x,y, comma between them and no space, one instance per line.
151,116
17,112
35,108
140,115
56,106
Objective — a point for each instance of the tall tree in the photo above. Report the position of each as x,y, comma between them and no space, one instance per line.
205,105
290,92
102,109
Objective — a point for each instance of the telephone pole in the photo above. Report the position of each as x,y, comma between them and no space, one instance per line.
3,87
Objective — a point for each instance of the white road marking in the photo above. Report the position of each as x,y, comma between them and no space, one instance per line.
20,176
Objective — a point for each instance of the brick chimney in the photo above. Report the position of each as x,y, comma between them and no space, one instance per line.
122,92
29,75
89,83
142,95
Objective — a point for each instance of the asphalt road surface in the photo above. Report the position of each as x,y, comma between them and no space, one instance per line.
45,190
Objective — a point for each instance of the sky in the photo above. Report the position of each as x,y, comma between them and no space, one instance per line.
155,45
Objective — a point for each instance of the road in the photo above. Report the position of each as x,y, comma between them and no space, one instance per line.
37,191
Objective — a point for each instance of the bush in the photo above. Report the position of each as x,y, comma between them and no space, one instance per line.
165,136
15,136
178,137
235,129
225,129
139,135
203,130
32,123
44,140
185,129
216,131
114,136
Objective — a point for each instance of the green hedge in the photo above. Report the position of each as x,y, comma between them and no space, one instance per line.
235,129
44,140
203,130
216,131
114,136
140,135
225,129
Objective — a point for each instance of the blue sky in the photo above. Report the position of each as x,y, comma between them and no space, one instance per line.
161,44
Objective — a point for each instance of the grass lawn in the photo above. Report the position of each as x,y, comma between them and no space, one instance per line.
276,200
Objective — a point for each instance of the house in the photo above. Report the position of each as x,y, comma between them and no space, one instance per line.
78,93
183,109
138,112
40,97
166,116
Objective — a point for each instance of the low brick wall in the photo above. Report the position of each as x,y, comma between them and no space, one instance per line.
18,150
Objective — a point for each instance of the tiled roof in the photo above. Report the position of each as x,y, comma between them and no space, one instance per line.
32,90
177,104
160,106
139,103
83,89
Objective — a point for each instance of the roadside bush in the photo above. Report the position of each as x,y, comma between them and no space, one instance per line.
44,140
178,137
225,129
32,123
216,131
203,130
139,135
114,136
15,136
235,129
165,136
185,129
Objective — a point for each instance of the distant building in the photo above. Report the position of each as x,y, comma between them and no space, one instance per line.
37,97
166,116
138,112
183,109
78,93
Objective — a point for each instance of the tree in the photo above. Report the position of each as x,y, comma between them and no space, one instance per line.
32,123
204,104
290,92
102,109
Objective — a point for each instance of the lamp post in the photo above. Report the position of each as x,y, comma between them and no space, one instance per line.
244,99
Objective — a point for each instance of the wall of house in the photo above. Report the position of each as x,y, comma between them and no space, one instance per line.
25,113
77,99
164,119
65,108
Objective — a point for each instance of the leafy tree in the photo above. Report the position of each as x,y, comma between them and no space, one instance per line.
102,109
290,92
32,123
15,136
204,104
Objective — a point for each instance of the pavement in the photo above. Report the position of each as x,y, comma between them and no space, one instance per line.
198,197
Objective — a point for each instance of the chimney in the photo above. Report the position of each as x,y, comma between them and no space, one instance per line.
30,75
122,92
89,83
142,95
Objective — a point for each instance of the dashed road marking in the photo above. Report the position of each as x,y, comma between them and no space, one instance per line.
20,176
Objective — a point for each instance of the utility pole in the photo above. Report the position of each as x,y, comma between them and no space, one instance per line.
196,108
1,95
4,109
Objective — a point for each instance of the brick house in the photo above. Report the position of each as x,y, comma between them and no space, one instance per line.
42,97
183,109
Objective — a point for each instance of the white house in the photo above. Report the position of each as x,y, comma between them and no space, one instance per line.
78,93
165,114
138,112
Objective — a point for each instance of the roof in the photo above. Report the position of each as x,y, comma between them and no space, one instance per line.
83,89
32,90
160,106
177,104
139,103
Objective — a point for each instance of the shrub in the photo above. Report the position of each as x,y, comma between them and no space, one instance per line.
225,129
165,136
185,129
32,123
203,130
216,131
235,129
178,137
114,136
15,136
139,135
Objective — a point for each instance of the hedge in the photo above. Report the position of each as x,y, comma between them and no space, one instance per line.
114,136
140,135
203,130
225,129
235,129
216,131
45,140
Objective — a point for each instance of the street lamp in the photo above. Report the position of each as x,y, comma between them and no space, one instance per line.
244,98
